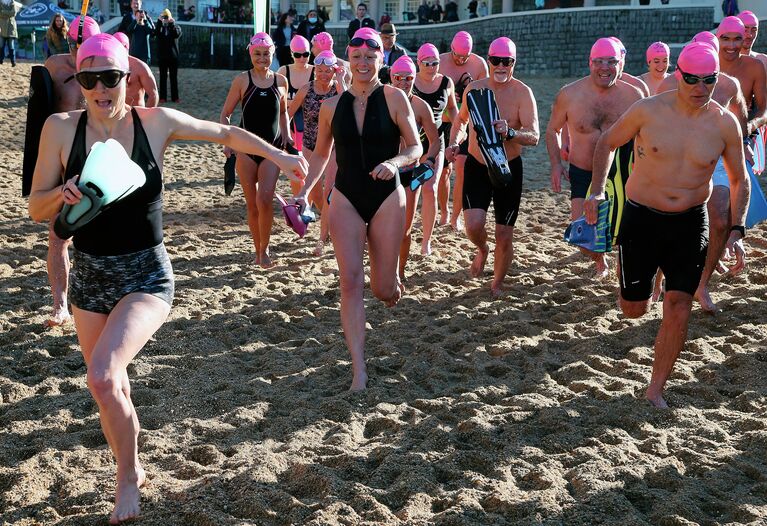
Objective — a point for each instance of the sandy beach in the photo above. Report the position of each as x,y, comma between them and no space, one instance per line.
525,409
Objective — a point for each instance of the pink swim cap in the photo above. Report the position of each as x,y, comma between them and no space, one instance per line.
103,45
90,28
748,18
260,39
124,40
731,24
707,37
403,65
367,33
502,47
657,49
327,58
698,58
462,43
300,45
427,50
323,41
604,48
620,45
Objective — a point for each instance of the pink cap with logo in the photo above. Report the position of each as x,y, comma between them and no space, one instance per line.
323,41
427,50
90,28
698,58
731,24
403,66
462,43
103,45
502,47
605,48
657,50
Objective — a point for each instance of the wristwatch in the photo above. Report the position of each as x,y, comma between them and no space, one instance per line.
739,228
510,133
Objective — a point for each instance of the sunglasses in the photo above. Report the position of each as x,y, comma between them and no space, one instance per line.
369,42
109,78
301,55
325,61
402,78
497,61
430,64
461,58
694,79
609,62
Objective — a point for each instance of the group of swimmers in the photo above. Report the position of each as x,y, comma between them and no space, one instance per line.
366,138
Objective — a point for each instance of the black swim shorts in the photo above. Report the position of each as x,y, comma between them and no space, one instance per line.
478,191
580,180
674,242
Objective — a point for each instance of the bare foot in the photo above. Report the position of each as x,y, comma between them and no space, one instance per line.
60,316
391,302
703,297
359,382
265,260
426,249
128,497
318,248
601,270
656,400
497,289
456,224
657,291
444,218
478,265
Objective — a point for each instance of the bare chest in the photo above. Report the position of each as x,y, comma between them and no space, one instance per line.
592,114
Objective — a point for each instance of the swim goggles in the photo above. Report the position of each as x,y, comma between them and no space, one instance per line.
369,42
609,62
110,78
325,61
297,54
430,63
462,59
497,61
401,78
694,79
266,41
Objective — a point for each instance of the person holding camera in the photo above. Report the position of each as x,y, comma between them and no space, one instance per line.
139,27
167,33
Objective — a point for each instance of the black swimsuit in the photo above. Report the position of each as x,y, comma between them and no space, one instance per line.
437,101
357,154
298,118
261,112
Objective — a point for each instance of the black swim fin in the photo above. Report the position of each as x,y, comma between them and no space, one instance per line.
483,111
229,176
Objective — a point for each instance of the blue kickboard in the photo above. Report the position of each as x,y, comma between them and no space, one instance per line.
757,206
759,151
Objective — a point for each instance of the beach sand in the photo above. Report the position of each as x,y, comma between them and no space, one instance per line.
525,409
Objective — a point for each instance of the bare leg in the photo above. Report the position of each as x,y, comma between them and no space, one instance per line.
475,231
443,194
109,343
348,233
657,289
669,343
455,219
327,188
58,276
601,269
267,181
385,234
247,170
404,248
719,225
429,207
504,255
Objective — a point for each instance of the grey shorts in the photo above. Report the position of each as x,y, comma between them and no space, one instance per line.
98,283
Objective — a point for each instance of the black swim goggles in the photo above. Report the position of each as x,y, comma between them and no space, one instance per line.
110,78
694,79
369,42
497,61
301,55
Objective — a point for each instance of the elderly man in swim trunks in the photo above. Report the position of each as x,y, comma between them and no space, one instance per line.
681,134
519,127
751,24
586,108
141,81
461,66
67,96
727,94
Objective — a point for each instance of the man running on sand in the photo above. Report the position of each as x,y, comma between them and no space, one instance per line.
141,81
679,137
67,96
587,107
519,126
461,66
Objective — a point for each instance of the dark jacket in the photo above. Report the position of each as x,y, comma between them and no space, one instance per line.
308,31
167,40
282,45
424,11
384,74
356,24
139,35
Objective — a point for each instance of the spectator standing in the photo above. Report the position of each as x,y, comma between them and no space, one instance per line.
139,28
472,9
436,12
362,20
423,13
56,36
282,35
730,7
8,32
125,7
167,34
391,51
451,11
310,26
482,10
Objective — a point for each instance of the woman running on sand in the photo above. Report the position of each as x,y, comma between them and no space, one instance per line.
122,285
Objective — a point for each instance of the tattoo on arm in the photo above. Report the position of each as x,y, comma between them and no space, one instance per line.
640,151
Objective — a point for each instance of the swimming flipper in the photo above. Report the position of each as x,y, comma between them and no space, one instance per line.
108,176
483,111
229,175
421,174
596,238
757,205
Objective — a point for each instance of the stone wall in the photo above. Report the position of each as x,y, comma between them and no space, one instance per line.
552,43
